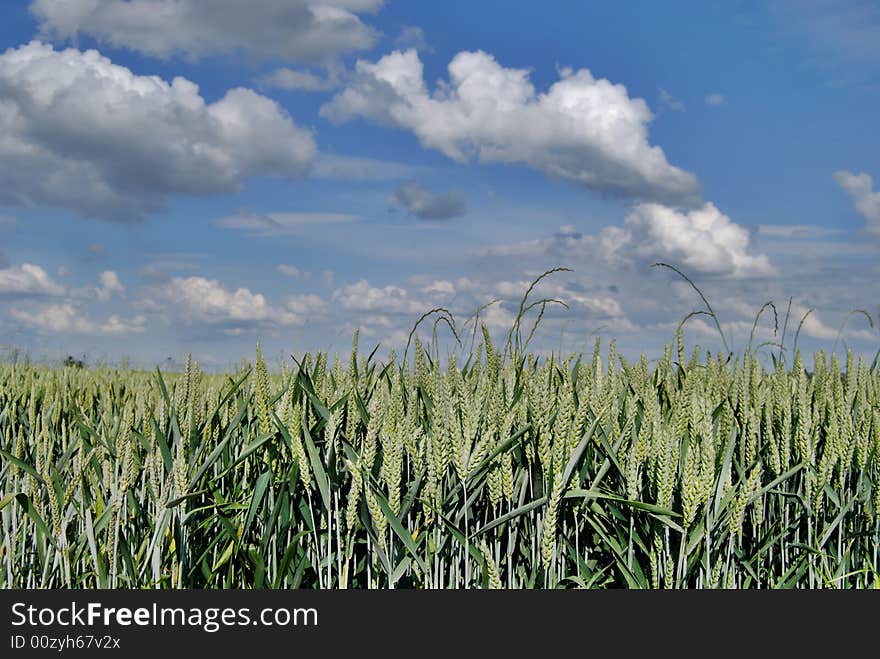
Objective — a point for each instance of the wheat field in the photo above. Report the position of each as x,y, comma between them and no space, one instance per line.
504,471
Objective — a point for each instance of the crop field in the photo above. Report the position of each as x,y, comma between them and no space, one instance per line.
504,470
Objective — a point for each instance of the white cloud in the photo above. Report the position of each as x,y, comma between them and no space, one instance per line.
66,318
704,240
28,279
159,266
291,271
275,224
427,205
583,304
860,188
207,300
198,300
117,325
799,231
715,99
7,221
353,168
387,299
599,306
497,317
306,30
412,37
813,325
667,100
79,132
441,288
110,285
299,308
292,80
380,329
583,129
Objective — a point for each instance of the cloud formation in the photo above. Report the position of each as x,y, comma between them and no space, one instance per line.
667,100
293,80
291,271
426,205
796,231
582,129
66,318
297,30
860,188
355,168
412,37
82,133
703,240
28,280
202,301
110,285
276,224
362,297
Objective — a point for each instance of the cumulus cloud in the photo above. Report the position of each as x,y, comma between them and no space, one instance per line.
799,231
583,129
354,168
294,80
667,100
300,308
110,285
28,279
66,318
275,224
301,30
79,132
442,288
598,306
291,271
497,317
426,205
198,300
585,302
160,266
362,297
704,240
207,300
412,37
116,325
860,188
814,325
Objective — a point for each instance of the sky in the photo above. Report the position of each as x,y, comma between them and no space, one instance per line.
187,176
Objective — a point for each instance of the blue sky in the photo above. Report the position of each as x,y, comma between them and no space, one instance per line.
191,176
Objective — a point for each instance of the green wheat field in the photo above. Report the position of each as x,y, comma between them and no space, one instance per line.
496,469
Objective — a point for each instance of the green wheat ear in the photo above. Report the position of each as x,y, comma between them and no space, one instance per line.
446,469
